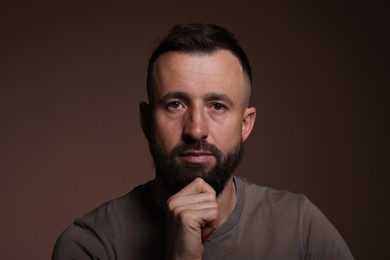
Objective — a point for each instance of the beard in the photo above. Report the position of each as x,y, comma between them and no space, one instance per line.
176,176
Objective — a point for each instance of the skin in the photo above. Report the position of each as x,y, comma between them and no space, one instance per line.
197,96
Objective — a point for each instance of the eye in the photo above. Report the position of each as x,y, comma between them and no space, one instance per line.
218,106
174,105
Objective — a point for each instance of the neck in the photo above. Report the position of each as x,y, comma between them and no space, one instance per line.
226,200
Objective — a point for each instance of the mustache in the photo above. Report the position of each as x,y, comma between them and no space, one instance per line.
197,146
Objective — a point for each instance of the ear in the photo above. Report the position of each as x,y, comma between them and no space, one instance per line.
145,115
248,122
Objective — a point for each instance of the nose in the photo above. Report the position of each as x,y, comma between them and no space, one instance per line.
195,126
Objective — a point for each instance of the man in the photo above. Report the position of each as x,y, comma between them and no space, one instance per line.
198,116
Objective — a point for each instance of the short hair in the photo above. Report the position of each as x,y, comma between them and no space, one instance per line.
197,38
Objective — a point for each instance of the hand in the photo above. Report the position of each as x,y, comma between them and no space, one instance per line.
192,219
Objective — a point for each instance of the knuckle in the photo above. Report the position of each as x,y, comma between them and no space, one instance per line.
199,181
175,210
213,213
211,197
183,217
171,204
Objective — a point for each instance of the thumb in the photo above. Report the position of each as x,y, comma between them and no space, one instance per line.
208,231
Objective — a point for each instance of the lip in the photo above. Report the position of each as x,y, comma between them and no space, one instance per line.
196,156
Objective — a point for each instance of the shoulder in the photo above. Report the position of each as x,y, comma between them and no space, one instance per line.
266,197
280,203
294,216
112,213
76,242
275,208
100,232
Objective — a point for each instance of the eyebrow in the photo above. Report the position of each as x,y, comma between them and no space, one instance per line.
212,96
175,95
218,97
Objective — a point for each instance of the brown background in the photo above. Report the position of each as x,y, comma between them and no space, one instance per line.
72,75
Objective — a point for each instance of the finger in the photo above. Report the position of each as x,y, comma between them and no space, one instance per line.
206,205
176,201
208,230
197,219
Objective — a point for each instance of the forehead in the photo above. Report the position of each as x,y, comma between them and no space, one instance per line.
218,72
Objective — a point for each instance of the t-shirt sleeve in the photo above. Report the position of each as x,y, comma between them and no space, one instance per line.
79,242
320,239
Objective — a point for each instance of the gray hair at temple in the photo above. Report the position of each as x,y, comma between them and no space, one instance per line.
202,39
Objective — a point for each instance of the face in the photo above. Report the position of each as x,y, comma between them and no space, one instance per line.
198,118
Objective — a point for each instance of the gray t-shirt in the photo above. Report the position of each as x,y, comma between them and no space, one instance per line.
265,224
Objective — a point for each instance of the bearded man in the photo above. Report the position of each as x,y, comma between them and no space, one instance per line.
196,120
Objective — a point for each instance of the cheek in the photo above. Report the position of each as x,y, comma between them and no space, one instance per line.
167,134
227,136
